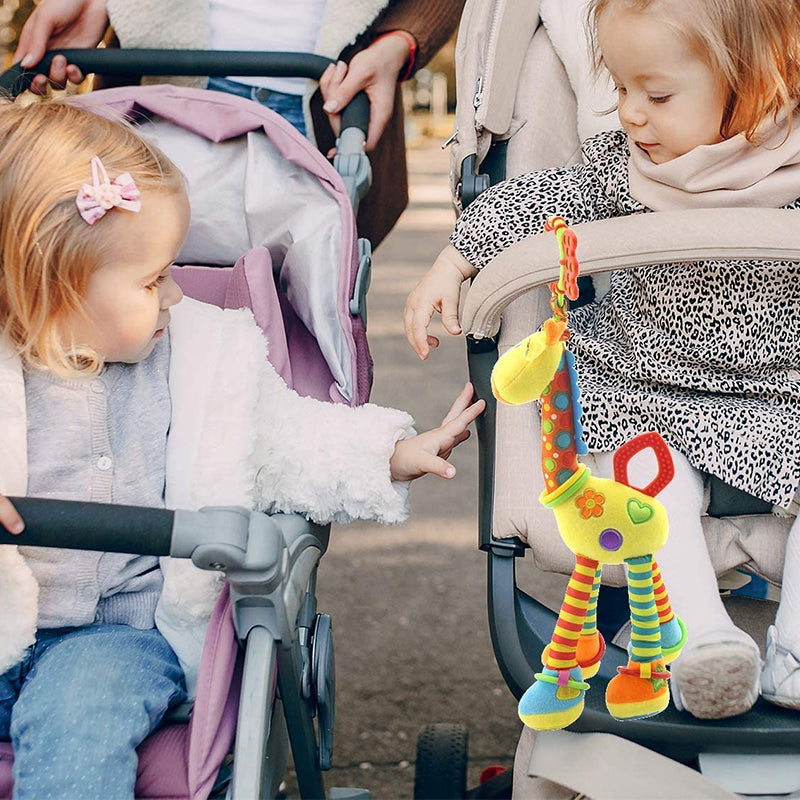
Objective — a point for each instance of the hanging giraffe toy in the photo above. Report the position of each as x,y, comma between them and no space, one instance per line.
602,521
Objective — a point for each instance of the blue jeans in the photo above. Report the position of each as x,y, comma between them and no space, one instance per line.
289,106
80,703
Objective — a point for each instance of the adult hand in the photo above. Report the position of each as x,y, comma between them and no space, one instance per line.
375,71
428,452
9,517
59,24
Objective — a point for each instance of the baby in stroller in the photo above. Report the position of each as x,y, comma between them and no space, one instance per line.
96,336
705,354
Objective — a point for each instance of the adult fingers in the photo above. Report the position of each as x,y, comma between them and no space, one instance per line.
58,71
381,104
34,38
328,84
9,517
74,75
342,86
39,84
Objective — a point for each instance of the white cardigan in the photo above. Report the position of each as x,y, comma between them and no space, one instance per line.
238,436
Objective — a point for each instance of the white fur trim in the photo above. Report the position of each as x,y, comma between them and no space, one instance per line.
344,21
174,25
171,25
13,425
19,592
19,598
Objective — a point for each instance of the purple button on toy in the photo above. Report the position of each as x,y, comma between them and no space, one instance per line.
611,539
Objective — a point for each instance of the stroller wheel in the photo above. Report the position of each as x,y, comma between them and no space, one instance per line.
442,754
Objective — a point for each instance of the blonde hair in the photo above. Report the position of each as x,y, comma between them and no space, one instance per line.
751,46
47,251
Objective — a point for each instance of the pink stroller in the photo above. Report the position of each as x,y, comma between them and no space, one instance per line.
264,200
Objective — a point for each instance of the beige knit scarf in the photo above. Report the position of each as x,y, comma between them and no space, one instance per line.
732,173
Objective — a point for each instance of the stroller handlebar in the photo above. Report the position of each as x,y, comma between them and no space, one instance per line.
215,63
215,537
92,526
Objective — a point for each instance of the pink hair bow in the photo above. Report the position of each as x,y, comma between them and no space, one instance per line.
94,200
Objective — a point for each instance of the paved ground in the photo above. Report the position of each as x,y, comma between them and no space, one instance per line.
408,603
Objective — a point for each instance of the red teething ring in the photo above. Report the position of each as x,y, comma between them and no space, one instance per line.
666,469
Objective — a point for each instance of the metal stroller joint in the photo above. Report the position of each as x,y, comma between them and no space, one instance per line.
267,560
352,163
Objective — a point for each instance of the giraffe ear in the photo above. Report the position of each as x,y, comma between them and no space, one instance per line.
522,374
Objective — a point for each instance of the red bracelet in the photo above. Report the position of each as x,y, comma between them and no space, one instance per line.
412,51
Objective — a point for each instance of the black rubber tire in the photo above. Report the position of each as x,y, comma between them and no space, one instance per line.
442,755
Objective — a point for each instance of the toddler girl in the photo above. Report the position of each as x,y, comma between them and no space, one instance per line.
113,389
705,353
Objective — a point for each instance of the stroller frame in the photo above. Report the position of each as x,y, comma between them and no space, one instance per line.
494,45
270,561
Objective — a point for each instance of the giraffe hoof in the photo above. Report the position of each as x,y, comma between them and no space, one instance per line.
632,695
673,638
554,701
589,654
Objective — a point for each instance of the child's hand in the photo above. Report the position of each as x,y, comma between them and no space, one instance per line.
438,291
9,518
427,452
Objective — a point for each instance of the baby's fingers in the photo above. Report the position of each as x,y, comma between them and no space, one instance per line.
450,314
463,420
461,403
9,517
415,322
434,465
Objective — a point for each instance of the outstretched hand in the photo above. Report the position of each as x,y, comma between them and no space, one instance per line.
427,453
58,24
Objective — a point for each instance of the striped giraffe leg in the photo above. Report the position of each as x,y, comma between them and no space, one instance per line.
673,631
640,689
555,700
591,645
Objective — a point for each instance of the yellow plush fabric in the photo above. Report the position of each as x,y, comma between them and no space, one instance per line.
606,520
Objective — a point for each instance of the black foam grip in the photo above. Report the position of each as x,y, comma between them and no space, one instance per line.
115,61
92,526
